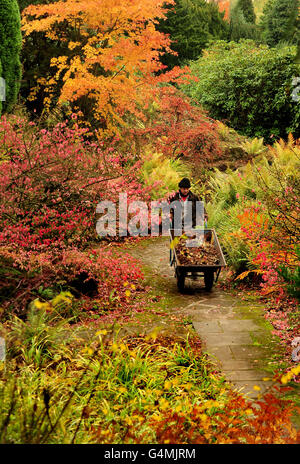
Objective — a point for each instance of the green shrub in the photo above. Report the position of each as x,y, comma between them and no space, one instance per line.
250,86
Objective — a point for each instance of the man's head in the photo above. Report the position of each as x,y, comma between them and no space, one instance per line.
184,186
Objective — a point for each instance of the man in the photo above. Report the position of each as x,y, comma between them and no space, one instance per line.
184,195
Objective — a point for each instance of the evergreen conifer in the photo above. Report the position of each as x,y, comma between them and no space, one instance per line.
10,48
247,8
191,25
280,22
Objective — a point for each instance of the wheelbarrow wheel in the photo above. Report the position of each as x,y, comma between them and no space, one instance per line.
208,280
180,280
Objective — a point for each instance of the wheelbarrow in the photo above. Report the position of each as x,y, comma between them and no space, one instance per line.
209,272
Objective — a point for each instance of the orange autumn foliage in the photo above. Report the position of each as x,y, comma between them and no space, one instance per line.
113,60
224,5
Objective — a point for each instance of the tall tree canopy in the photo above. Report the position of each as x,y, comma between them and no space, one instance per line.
113,55
10,48
247,8
280,22
191,25
242,21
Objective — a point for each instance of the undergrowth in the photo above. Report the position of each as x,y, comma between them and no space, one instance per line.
58,388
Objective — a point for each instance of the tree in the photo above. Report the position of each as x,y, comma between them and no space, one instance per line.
191,25
250,86
113,56
25,3
280,22
242,21
10,48
240,28
247,8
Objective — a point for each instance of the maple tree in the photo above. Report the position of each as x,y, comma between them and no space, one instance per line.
224,5
180,130
113,57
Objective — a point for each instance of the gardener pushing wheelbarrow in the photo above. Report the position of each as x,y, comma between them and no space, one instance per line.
194,249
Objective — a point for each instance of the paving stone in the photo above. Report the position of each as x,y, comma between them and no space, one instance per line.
239,325
244,374
218,303
211,314
220,352
228,339
247,352
234,365
208,327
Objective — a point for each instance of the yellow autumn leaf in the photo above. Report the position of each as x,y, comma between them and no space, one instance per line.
123,390
187,386
63,297
128,421
88,350
101,332
153,334
40,305
163,404
167,385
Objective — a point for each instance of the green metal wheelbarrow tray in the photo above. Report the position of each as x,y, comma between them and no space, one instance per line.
209,272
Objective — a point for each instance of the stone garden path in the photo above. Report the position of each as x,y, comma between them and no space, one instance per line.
234,332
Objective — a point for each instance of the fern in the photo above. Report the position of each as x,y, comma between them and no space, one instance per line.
292,277
255,146
162,173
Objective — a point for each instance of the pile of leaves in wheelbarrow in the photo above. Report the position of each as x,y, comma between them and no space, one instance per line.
203,251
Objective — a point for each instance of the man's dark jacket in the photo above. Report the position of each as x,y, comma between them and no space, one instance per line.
191,197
